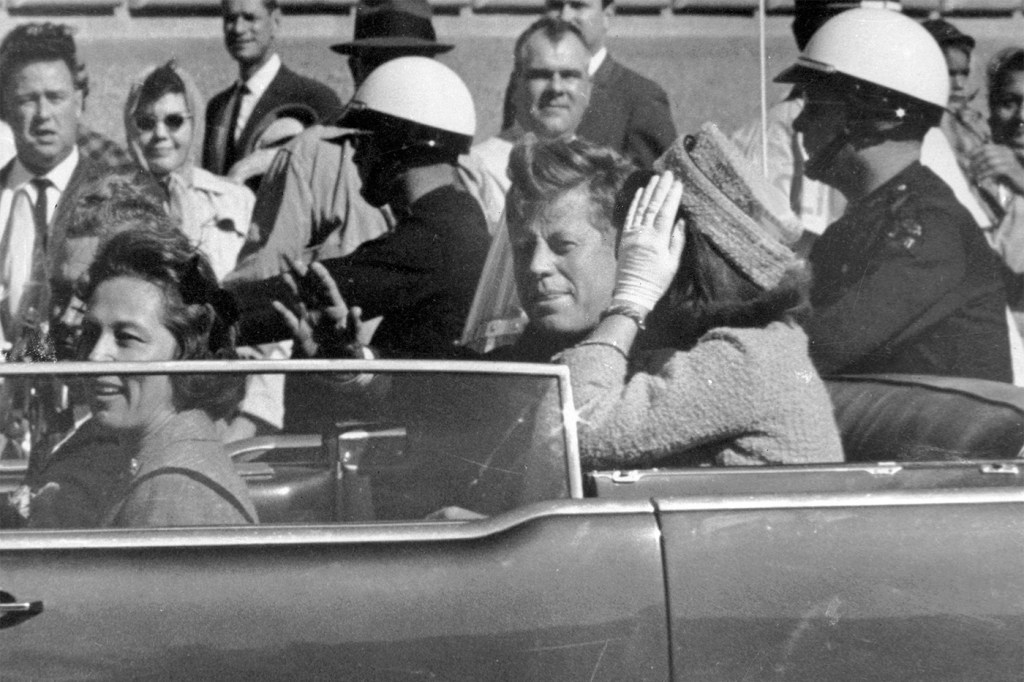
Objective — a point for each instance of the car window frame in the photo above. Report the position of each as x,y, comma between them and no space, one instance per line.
558,373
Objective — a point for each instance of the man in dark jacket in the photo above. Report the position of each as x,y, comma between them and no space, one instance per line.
627,112
42,90
235,116
904,281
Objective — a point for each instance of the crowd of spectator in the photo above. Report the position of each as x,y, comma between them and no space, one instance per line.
696,300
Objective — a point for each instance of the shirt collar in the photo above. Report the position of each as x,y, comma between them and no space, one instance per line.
59,175
597,60
260,81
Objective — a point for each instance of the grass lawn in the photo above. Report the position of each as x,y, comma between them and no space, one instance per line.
708,65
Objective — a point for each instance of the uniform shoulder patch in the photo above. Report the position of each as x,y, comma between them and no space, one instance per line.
905,230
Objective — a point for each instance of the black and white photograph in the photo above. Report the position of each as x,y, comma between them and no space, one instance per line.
501,340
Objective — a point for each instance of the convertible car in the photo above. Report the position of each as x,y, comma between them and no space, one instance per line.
431,521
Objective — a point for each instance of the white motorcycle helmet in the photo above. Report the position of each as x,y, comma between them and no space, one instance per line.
881,60
418,111
414,101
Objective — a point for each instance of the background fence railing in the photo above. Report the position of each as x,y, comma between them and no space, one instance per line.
130,8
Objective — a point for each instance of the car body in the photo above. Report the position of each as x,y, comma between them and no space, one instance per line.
897,570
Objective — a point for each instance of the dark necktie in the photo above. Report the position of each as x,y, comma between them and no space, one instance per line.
39,213
236,106
37,293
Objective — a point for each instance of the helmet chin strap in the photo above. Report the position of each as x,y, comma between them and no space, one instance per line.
389,166
858,134
817,165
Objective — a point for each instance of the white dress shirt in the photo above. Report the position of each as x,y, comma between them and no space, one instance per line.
19,180
597,60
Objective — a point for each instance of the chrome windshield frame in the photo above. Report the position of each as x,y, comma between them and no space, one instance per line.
559,373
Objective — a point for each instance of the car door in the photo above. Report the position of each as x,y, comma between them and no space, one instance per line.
897,584
562,590
556,589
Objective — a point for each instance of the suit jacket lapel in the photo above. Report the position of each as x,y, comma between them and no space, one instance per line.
5,172
605,73
85,171
264,105
224,131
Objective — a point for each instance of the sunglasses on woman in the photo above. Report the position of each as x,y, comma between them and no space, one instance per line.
173,122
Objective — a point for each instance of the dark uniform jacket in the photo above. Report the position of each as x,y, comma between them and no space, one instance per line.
904,282
420,277
287,88
627,112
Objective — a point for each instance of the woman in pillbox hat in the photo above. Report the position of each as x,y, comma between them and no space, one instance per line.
721,374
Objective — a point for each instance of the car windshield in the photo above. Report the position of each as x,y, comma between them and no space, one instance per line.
357,442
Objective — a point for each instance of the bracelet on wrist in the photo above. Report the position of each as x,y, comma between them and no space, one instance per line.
606,344
627,310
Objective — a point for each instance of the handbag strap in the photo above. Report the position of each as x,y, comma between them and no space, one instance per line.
200,478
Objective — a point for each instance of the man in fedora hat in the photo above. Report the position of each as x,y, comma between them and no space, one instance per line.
309,203
234,116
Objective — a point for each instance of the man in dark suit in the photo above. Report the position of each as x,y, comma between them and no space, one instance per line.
234,117
627,112
42,88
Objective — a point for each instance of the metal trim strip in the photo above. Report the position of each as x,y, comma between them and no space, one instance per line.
895,498
246,536
285,366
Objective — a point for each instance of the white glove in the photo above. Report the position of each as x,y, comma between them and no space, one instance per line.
652,243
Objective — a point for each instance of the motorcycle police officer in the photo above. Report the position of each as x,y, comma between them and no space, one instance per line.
416,116
904,282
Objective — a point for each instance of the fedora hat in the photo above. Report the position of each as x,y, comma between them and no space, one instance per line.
732,204
393,25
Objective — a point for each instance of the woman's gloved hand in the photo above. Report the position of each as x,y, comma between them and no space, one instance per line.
652,243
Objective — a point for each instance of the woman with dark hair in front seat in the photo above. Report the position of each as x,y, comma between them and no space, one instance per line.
151,445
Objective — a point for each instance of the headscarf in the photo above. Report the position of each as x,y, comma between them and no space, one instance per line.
178,182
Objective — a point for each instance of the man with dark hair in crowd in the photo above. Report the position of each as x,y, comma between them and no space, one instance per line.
904,282
264,84
91,143
42,92
627,112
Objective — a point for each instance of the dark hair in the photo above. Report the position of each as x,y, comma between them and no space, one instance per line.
40,42
553,28
197,312
110,204
116,202
543,170
708,292
1005,63
163,80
